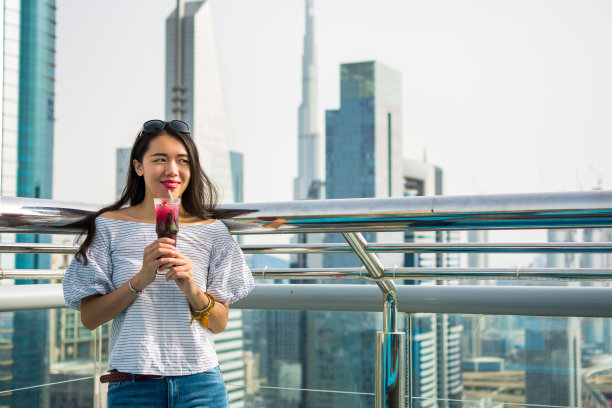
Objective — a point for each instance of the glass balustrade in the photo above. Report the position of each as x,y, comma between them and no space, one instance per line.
504,361
326,359
48,359
308,358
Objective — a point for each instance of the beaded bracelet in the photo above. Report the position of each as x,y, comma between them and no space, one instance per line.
202,315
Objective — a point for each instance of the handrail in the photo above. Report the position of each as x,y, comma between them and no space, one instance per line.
337,248
469,299
351,217
583,209
402,273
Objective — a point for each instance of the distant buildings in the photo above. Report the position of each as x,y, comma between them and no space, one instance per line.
363,142
237,166
193,88
194,94
363,159
27,171
122,165
436,338
308,185
553,346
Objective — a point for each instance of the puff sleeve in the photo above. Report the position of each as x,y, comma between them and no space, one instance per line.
95,278
229,277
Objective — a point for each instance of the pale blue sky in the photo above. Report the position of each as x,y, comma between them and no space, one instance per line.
506,96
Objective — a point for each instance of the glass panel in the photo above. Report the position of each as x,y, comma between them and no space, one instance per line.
46,359
312,359
511,360
264,395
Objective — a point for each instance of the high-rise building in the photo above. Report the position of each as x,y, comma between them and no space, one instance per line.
364,146
553,346
597,333
36,113
363,159
8,179
436,339
194,94
272,336
308,182
237,164
27,170
122,165
193,88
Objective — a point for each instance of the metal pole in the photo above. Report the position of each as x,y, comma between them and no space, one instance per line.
408,359
390,376
435,247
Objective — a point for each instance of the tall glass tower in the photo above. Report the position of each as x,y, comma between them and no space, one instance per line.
27,168
194,94
364,145
308,182
193,87
363,159
36,110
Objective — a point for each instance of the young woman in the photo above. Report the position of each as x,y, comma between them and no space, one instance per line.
161,349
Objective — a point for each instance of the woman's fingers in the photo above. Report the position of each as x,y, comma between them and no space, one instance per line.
179,272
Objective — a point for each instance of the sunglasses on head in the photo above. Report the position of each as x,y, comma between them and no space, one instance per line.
155,125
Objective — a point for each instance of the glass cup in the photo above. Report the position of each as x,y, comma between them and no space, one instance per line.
167,219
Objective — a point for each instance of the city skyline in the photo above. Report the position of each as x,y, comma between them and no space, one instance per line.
517,89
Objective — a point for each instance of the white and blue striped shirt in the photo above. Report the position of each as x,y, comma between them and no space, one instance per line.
154,335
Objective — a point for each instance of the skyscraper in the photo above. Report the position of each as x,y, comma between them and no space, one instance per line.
27,165
436,338
363,159
122,164
193,88
194,94
308,182
364,146
237,162
8,179
553,346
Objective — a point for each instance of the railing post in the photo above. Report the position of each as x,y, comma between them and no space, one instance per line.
390,373
409,360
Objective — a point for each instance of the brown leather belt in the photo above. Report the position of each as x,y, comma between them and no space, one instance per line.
116,376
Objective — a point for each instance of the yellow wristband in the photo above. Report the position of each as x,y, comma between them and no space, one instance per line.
202,315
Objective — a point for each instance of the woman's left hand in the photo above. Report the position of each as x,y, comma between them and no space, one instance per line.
181,272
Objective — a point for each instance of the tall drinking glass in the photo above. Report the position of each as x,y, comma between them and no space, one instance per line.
167,219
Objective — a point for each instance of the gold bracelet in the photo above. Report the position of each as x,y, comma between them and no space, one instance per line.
202,315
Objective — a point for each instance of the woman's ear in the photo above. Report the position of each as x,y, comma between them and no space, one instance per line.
137,167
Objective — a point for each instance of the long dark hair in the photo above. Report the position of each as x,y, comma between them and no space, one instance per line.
199,198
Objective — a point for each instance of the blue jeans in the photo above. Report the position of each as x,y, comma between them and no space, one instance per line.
203,390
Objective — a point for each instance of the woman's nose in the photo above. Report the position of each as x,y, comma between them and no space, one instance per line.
172,167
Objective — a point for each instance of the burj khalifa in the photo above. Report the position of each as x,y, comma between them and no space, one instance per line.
308,183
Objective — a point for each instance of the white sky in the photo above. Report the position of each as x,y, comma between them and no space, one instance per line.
505,96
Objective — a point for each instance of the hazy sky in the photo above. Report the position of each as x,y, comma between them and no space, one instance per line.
505,96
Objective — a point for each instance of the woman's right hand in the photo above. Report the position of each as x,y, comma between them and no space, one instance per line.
160,252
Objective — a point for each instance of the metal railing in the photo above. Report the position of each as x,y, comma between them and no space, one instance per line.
351,217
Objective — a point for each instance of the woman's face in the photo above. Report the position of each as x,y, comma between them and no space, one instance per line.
165,167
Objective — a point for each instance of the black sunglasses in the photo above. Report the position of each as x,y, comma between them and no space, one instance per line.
155,125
